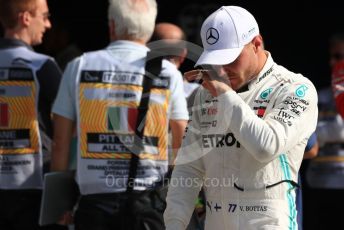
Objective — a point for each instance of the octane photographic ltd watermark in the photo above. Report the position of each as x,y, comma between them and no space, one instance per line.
120,182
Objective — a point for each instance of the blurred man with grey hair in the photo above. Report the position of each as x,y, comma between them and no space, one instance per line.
121,103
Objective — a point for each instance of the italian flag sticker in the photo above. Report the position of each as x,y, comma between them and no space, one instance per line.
121,119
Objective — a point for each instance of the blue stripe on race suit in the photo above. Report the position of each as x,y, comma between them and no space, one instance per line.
291,201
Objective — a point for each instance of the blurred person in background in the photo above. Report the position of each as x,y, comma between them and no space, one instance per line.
173,45
325,173
28,85
338,85
120,173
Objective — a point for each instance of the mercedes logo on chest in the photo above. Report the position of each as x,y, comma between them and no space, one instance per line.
212,36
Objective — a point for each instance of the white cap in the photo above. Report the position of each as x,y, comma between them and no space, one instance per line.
225,33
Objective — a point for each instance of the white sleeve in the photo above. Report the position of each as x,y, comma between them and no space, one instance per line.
187,179
178,107
64,104
330,130
289,119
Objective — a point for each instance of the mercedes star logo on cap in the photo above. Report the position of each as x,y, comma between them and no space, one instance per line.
212,36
